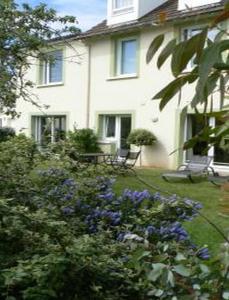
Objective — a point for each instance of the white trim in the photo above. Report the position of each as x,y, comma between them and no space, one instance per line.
50,84
124,76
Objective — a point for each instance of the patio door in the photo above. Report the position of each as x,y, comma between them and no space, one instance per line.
116,129
48,129
194,124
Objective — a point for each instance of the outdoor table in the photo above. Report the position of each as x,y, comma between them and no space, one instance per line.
93,158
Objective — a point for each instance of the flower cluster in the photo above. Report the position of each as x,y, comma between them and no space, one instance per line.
110,218
169,231
96,204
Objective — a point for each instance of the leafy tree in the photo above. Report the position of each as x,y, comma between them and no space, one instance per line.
24,31
209,73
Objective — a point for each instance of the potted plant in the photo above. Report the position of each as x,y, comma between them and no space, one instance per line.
141,137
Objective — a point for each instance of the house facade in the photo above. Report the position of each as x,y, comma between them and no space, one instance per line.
100,79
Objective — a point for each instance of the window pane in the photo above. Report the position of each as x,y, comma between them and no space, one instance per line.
59,128
122,3
221,153
56,66
125,131
110,126
195,125
128,57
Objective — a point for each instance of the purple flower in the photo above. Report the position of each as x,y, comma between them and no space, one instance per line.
203,253
68,210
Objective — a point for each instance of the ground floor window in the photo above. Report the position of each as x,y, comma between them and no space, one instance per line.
116,128
48,129
194,124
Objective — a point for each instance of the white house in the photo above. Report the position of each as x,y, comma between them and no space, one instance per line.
103,82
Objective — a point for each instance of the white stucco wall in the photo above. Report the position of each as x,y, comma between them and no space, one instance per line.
134,95
69,99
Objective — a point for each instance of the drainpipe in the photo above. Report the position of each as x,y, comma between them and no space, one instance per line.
88,88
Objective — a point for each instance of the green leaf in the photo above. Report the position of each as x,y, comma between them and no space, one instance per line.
211,56
180,257
184,52
155,45
182,270
204,269
156,272
226,295
166,52
172,89
171,279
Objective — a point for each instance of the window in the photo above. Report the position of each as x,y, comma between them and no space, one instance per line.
120,4
48,129
116,128
190,32
126,57
51,70
110,126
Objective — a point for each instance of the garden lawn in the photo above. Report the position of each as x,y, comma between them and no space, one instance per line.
205,192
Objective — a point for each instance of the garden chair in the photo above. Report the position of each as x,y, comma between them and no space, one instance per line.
126,164
120,156
198,166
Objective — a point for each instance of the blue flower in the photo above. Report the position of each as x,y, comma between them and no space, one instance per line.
203,253
68,210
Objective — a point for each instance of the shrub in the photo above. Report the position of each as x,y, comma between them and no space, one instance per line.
141,137
6,133
85,242
68,238
17,158
84,140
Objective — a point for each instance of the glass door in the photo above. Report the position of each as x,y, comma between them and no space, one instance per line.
125,129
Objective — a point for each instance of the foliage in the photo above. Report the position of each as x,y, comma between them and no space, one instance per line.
6,133
209,73
17,158
141,137
69,237
24,31
84,140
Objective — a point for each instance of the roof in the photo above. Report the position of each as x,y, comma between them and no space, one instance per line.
169,10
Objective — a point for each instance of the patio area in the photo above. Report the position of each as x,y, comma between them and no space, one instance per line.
204,192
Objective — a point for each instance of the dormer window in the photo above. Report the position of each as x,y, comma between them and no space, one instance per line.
122,6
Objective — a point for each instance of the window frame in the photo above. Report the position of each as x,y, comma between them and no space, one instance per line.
44,70
189,29
119,10
118,59
118,118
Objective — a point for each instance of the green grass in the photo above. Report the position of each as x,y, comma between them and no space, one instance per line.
209,195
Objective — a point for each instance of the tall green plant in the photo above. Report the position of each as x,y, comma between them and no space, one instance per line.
209,73
84,140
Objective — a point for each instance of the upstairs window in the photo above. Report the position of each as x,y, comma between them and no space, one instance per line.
126,57
121,4
51,70
190,32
